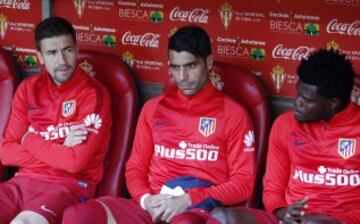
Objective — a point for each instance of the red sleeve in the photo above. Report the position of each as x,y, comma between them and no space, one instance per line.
137,167
12,153
240,159
278,167
74,159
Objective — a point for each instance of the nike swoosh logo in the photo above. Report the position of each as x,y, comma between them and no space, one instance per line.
44,208
299,142
159,123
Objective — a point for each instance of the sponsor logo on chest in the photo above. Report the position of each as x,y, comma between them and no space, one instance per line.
329,176
188,151
92,123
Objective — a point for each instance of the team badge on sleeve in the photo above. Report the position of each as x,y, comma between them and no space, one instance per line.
207,126
68,108
346,147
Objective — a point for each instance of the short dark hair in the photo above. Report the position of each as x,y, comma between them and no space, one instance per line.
53,27
192,39
330,71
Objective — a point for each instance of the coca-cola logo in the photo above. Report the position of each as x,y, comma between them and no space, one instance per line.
15,4
196,15
298,53
143,40
351,29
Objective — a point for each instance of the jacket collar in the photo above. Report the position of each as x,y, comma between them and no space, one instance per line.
204,93
344,116
75,79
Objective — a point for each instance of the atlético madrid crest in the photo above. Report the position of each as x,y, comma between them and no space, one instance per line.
68,108
346,147
207,126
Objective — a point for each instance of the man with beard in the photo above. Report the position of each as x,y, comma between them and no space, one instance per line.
57,133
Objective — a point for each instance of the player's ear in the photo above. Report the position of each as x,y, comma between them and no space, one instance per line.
39,55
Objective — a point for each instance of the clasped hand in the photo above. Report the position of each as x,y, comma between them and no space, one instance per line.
295,214
164,207
76,135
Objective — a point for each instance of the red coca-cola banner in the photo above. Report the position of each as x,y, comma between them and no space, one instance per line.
269,38
18,19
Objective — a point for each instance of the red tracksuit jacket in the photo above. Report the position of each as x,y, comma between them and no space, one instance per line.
47,112
318,159
207,136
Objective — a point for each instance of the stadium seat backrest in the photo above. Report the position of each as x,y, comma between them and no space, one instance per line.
115,75
245,88
7,88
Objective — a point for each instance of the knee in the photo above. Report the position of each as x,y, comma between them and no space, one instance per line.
233,215
29,217
188,218
220,214
88,212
